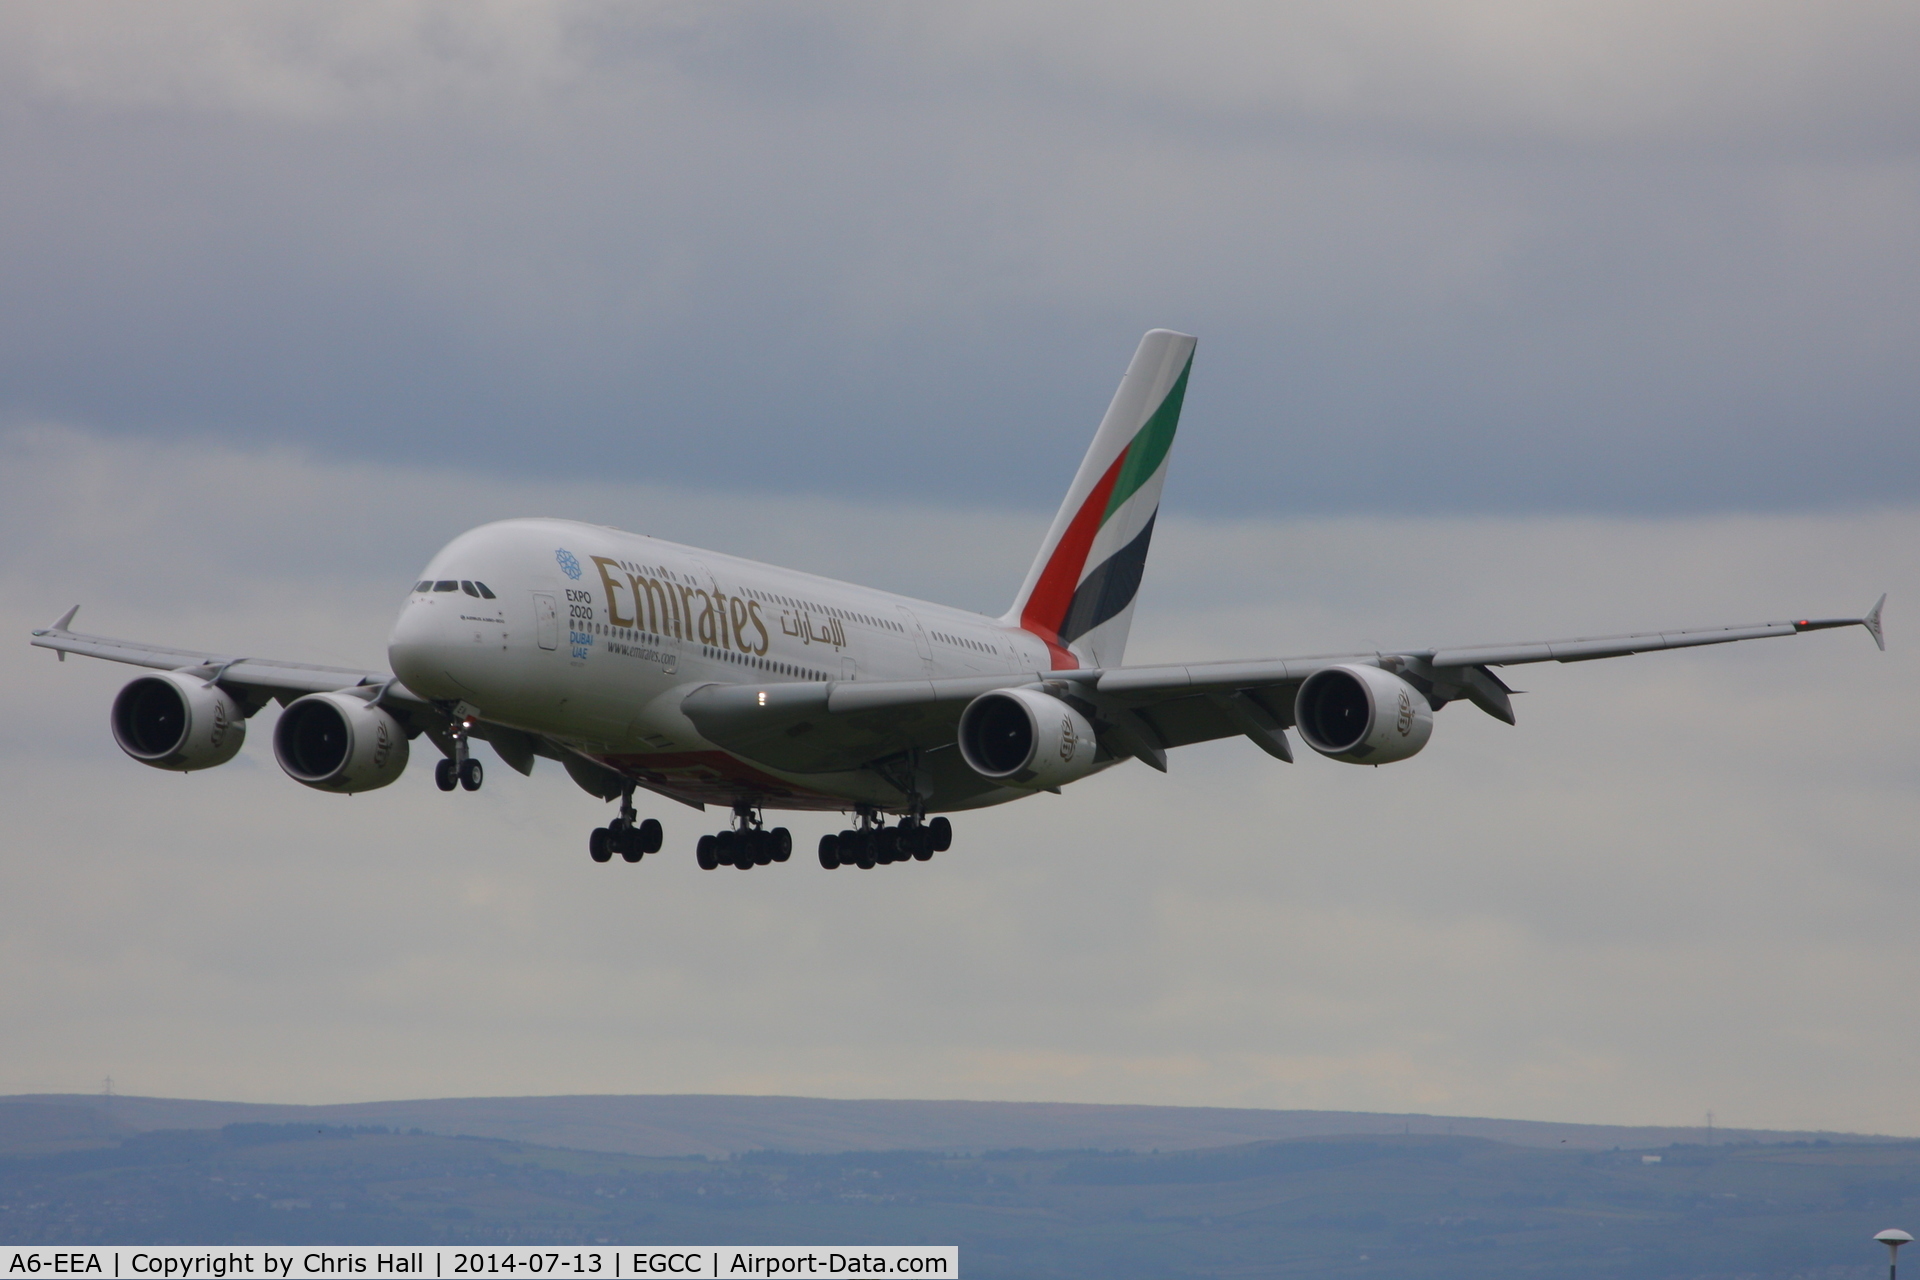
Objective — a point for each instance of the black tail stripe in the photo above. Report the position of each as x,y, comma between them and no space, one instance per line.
1105,592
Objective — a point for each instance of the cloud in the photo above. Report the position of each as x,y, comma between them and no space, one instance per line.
1678,884
1443,259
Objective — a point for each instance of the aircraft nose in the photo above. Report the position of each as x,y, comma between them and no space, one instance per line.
414,648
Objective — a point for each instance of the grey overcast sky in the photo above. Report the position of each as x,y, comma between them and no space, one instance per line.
1516,321
1613,257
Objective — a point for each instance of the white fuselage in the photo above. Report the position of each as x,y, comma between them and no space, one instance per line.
592,636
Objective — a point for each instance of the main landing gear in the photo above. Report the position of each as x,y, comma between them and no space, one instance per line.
871,845
747,845
630,839
460,769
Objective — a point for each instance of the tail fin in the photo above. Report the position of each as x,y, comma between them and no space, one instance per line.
1079,595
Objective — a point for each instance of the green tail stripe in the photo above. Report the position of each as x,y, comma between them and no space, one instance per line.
1148,448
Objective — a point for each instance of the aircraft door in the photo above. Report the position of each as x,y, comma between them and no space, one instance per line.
919,635
546,620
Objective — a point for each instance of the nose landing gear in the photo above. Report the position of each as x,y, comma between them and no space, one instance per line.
748,845
460,769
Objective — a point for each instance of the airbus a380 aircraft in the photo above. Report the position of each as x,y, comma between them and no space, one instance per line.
642,665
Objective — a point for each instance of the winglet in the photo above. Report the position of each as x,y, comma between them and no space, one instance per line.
66,619
1872,622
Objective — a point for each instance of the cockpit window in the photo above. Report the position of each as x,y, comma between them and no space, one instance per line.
446,585
483,590
468,587
424,586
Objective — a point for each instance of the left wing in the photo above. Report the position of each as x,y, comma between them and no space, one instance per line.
1145,711
258,680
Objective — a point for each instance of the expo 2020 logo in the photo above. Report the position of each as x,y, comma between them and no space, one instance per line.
568,565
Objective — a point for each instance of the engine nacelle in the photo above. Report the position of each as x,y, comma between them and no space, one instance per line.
337,742
178,722
1026,738
1362,715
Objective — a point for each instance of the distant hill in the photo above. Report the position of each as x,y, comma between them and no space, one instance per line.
717,1125
1365,1208
32,1128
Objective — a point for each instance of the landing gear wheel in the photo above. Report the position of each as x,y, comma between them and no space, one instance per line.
726,848
471,774
830,851
763,848
782,844
627,840
651,836
599,845
942,832
705,854
915,843
444,775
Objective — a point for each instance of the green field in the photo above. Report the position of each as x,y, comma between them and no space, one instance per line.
1431,1206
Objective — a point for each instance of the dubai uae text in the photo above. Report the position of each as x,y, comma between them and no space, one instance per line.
184,1263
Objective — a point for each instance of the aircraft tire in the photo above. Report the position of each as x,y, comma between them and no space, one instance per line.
651,836
471,774
726,848
705,854
830,851
942,832
444,775
782,844
600,845
762,847
630,845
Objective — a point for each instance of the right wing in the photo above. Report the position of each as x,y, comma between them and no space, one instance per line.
1144,711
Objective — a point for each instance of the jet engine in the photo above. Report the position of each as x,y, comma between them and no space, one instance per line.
1026,738
178,722
337,742
1362,715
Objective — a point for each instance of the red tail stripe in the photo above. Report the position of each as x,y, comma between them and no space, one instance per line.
1053,593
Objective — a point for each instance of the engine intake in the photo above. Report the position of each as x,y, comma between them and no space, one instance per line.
178,722
337,742
1026,738
1362,715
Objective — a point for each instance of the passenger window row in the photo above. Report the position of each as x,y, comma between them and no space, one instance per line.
845,615
963,642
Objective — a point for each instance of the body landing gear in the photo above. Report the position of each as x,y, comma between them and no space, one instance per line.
748,845
631,839
870,844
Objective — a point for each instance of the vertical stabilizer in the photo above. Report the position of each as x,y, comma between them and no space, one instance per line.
1079,595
